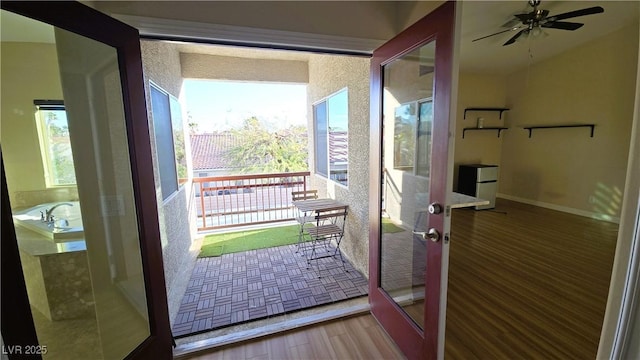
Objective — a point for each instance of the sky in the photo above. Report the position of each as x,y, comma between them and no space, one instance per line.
223,105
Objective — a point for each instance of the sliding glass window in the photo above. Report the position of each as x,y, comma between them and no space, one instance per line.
331,128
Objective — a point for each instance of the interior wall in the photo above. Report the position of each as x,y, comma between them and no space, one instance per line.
327,75
408,12
23,65
161,64
202,66
566,168
360,19
479,147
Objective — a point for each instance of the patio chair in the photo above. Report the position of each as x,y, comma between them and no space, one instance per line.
303,218
329,226
304,195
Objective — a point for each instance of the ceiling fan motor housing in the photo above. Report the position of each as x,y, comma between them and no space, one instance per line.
534,3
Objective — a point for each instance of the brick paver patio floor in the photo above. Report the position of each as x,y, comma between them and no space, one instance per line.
251,285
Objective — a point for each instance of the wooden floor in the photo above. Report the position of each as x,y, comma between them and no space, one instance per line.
531,283
524,283
358,337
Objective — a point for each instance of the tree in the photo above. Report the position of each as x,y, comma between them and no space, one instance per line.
260,151
193,126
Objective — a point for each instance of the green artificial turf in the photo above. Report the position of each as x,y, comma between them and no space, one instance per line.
232,242
389,227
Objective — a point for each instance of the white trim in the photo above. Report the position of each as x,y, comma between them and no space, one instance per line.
566,209
188,350
167,28
629,303
619,337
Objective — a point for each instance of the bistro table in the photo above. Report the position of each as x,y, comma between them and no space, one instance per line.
309,206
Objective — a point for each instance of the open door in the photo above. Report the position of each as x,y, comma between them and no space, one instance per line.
92,258
411,90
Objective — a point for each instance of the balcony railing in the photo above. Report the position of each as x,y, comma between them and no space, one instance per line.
227,201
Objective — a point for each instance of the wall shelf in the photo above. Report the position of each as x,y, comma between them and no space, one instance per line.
499,129
501,110
531,128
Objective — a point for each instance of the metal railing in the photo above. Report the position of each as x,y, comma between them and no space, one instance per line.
227,201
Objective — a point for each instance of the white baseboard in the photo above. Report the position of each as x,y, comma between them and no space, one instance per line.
589,214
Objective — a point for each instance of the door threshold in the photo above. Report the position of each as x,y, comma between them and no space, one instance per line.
192,345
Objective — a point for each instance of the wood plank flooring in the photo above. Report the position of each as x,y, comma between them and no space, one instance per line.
358,337
531,283
524,283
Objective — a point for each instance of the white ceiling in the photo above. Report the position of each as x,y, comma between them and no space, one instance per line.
480,18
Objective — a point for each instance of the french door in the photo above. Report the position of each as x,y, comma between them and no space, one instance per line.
411,90
107,277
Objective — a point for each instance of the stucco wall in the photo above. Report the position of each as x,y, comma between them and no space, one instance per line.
328,74
202,66
566,167
161,63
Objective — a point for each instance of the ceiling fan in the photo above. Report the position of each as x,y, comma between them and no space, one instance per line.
533,22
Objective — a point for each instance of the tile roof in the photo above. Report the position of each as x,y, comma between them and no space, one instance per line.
208,150
338,146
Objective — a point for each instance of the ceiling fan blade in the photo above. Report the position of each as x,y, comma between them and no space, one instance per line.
515,37
498,33
576,13
511,23
563,25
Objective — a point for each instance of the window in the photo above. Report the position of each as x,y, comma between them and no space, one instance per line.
55,145
413,123
169,135
331,120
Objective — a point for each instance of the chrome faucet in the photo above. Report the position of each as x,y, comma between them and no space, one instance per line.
48,218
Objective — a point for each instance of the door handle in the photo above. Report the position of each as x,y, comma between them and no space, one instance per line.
435,208
433,234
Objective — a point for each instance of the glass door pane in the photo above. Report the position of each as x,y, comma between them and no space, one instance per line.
406,158
79,242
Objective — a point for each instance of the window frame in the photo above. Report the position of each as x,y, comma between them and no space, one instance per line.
326,102
50,178
168,190
417,159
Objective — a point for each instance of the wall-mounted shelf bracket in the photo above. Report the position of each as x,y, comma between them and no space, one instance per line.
499,129
501,110
531,128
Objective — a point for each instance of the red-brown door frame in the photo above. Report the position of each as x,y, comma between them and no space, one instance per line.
85,21
439,26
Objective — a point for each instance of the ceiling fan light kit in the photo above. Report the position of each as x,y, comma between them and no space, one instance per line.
532,23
